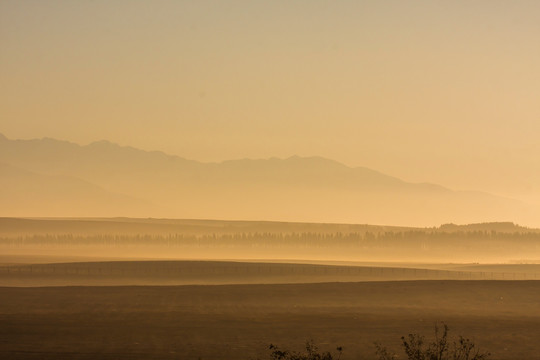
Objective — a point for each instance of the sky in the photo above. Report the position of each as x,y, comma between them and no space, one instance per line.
437,91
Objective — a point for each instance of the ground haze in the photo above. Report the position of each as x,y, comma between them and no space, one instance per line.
163,288
201,179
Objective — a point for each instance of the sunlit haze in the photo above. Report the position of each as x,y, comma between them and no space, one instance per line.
279,180
441,92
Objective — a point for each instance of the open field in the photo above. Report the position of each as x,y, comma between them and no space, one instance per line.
169,289
239,321
234,272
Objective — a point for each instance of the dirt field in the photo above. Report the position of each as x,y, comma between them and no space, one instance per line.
119,273
87,289
239,321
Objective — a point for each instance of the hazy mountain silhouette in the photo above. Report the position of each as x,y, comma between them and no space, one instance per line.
25,193
295,189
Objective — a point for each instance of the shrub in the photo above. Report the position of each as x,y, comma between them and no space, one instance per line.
414,346
439,349
311,353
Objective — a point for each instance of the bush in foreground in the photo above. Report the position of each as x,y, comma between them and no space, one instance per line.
414,346
311,353
439,349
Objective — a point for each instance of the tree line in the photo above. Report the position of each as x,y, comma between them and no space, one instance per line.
420,240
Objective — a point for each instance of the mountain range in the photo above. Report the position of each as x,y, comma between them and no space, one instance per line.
48,177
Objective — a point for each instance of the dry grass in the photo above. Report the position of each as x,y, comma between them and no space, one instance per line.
239,321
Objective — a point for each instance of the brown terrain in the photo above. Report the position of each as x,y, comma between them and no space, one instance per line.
135,289
240,321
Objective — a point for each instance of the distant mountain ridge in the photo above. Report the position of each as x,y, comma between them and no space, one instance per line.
292,189
502,227
33,194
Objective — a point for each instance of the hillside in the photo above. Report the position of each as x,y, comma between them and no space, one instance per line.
310,189
27,193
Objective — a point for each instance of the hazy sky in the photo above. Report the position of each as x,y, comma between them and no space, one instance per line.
423,90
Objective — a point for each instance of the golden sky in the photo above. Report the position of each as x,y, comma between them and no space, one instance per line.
439,91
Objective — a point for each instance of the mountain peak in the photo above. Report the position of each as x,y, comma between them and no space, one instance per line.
103,143
295,188
314,159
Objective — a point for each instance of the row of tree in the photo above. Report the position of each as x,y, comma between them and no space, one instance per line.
422,240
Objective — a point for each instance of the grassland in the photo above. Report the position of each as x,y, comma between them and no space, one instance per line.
121,273
167,289
239,321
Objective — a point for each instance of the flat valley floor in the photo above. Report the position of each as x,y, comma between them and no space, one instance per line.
240,321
